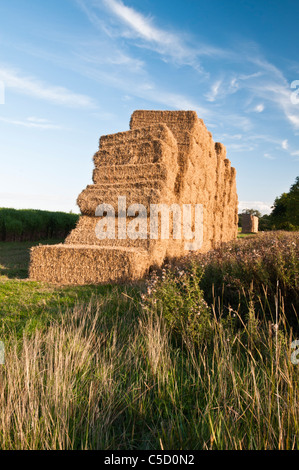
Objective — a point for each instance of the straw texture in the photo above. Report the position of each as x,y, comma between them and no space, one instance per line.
86,264
167,157
250,223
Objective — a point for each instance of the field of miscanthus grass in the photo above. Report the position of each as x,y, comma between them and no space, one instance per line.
196,357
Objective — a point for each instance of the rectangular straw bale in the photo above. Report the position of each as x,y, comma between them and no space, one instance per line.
148,133
150,151
85,234
114,174
81,264
139,193
249,223
176,121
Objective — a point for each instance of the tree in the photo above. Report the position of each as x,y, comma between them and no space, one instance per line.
265,223
252,212
293,203
285,213
280,207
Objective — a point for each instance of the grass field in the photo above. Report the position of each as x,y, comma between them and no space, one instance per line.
245,235
196,357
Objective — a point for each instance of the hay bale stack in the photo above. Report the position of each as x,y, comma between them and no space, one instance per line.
167,157
142,167
204,177
250,223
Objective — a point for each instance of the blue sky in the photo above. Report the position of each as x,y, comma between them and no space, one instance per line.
73,70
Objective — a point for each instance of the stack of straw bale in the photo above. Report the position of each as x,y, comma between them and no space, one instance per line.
166,157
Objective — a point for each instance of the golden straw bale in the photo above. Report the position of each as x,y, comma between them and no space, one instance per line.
86,264
137,193
114,174
249,223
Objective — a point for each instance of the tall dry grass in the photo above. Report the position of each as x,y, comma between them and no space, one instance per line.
202,361
57,387
86,384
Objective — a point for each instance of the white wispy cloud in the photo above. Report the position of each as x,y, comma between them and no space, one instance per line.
269,156
212,94
142,27
274,141
266,66
133,25
111,59
250,74
112,56
284,144
236,121
293,118
31,86
232,136
278,93
268,84
32,122
259,108
145,88
151,92
240,147
263,207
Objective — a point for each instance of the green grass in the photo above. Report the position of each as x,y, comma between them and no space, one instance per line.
245,235
26,305
113,367
15,256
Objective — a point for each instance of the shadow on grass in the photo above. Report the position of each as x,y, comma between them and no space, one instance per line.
27,305
15,257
